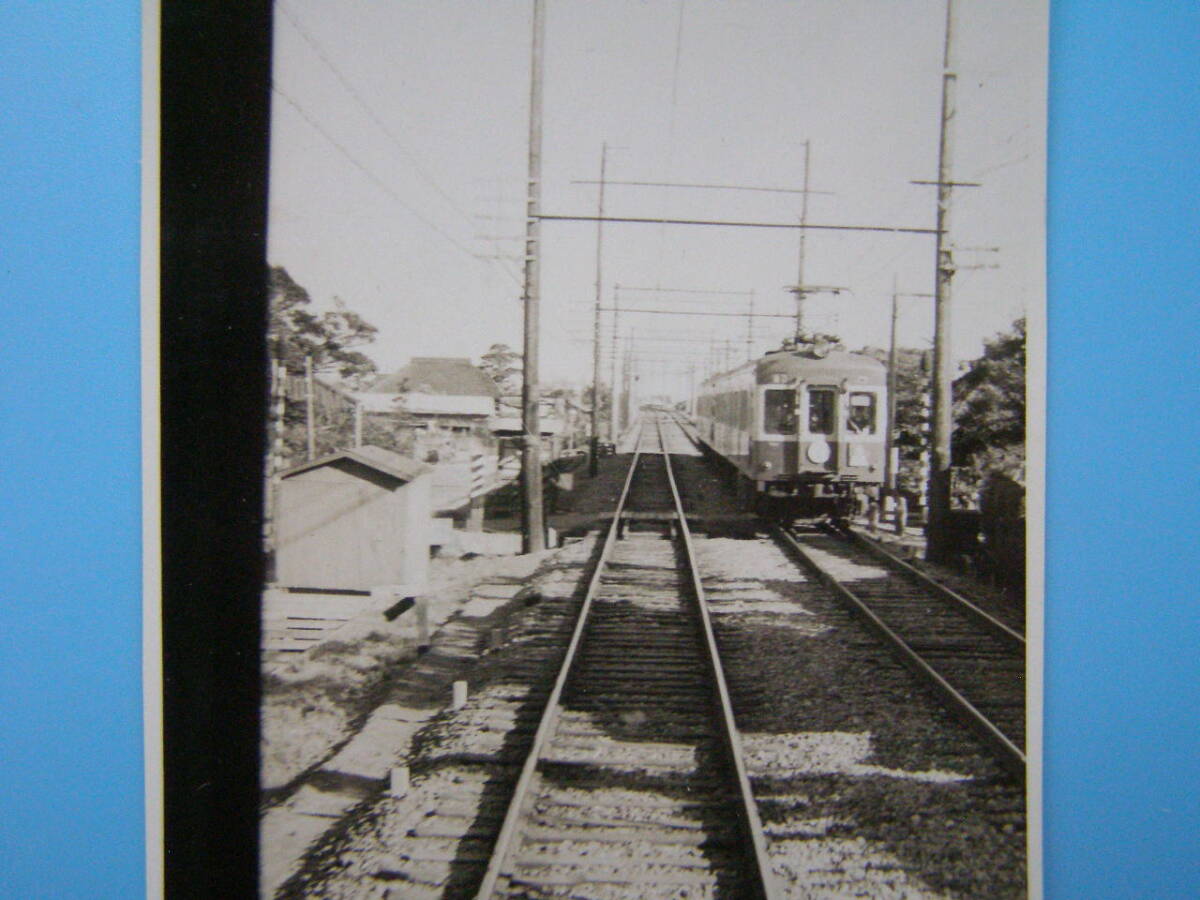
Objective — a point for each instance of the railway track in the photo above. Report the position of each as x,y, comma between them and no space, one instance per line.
611,769
635,784
973,661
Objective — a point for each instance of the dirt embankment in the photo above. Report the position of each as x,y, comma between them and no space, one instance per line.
312,704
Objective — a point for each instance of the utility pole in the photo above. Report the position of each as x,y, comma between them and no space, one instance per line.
613,428
593,453
803,234
626,379
750,329
937,536
800,289
889,465
309,412
533,534
889,438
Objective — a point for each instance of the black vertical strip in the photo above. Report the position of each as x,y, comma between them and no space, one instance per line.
215,111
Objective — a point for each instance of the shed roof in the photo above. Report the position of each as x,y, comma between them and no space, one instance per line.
446,375
385,461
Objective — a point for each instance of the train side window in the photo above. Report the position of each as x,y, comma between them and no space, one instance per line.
779,411
820,411
860,413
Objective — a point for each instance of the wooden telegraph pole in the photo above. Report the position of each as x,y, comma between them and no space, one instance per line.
803,236
889,443
533,534
310,416
594,448
890,461
937,537
802,290
613,415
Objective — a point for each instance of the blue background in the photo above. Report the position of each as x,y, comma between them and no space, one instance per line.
1122,807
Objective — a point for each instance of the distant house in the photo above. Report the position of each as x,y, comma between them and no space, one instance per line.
506,425
445,403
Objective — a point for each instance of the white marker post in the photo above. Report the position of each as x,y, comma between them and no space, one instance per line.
399,782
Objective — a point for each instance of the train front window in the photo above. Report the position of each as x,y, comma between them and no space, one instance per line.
820,411
860,413
779,411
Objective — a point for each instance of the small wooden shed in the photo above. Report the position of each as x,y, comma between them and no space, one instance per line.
356,520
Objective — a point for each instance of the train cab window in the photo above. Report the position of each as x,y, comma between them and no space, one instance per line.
860,413
820,411
779,411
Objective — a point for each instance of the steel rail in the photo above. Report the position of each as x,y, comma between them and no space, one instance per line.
761,873
1010,754
988,621
550,717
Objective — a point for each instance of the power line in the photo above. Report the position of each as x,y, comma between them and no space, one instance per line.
353,92
358,98
383,185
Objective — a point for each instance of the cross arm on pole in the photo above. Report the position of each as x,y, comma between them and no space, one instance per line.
799,226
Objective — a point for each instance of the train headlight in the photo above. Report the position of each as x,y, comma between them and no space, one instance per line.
765,465
818,452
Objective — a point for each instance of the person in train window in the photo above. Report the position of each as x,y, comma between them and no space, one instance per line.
860,417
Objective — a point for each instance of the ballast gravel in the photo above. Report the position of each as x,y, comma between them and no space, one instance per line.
866,787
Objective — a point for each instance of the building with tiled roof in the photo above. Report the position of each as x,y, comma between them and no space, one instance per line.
434,386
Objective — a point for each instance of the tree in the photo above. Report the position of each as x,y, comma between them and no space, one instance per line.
989,414
989,400
295,331
503,365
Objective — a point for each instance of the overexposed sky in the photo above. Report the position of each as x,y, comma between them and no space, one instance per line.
399,157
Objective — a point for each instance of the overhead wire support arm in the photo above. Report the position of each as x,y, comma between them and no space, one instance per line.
692,312
719,223
664,290
948,183
713,187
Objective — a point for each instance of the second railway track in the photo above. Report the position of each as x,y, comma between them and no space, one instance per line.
974,662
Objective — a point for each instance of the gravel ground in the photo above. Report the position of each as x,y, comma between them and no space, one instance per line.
866,785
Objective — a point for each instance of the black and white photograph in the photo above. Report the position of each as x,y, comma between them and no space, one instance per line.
652,498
